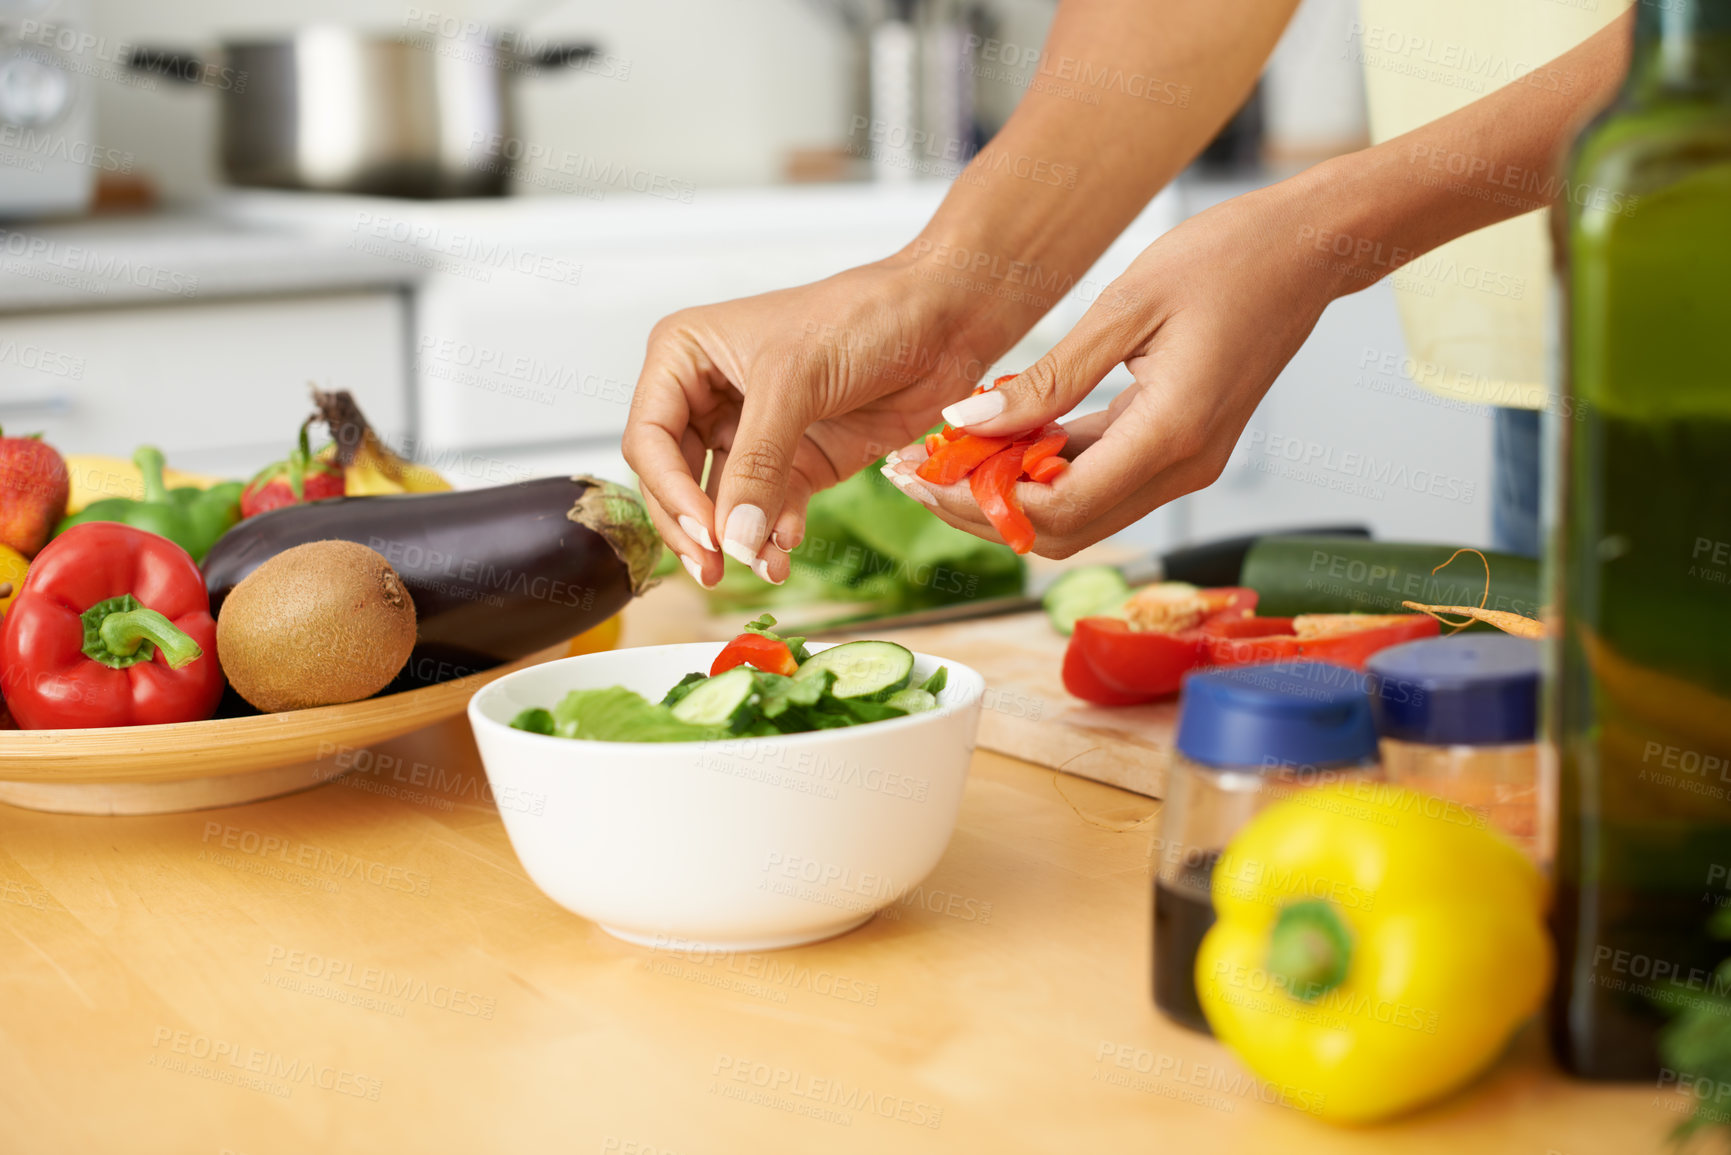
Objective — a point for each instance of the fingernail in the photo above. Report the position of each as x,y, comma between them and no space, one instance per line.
695,570
973,410
913,488
894,456
697,532
793,541
743,537
760,567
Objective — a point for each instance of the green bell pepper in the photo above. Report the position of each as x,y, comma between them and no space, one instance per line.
190,517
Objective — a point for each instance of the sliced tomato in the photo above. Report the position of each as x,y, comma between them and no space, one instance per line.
1135,665
956,459
993,485
770,655
996,381
1344,639
934,442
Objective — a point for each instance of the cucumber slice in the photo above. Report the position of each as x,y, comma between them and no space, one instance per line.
913,699
724,700
862,669
1083,593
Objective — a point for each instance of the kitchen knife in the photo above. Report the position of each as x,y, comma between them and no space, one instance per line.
1210,563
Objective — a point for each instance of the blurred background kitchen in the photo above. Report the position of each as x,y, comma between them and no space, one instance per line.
475,215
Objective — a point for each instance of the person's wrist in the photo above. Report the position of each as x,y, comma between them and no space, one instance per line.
967,325
1339,222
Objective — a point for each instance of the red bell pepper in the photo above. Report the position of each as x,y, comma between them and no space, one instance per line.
1344,639
993,485
768,654
1047,471
955,459
993,465
111,628
1044,446
1122,661
1133,665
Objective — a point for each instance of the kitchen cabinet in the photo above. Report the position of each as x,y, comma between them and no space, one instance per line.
218,385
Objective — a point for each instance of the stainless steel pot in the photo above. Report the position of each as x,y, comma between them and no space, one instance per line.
337,110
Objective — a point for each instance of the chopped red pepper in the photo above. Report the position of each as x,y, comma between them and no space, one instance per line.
956,459
952,454
1044,446
111,628
1344,639
770,655
1121,661
1135,665
994,488
1047,470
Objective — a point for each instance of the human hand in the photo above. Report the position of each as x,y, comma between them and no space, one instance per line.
1204,319
792,391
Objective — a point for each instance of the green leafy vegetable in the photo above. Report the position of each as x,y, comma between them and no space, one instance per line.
781,696
535,720
868,545
1697,1042
685,686
620,715
742,701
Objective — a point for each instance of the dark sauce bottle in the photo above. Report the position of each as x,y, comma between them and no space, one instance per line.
1247,737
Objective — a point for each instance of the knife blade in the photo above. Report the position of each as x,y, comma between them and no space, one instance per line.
1209,563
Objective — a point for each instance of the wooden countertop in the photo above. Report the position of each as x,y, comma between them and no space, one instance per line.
364,967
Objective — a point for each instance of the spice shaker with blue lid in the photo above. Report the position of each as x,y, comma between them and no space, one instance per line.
1459,719
1247,737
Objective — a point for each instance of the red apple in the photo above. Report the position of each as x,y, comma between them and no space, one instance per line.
34,486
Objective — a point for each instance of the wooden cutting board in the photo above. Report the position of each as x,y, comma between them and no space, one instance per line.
1029,715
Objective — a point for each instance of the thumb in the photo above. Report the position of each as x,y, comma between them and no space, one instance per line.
754,480
1051,386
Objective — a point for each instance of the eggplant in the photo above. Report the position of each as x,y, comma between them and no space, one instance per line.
495,573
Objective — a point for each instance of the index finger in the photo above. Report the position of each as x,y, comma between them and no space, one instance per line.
665,452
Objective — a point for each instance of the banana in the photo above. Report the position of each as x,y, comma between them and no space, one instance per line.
370,467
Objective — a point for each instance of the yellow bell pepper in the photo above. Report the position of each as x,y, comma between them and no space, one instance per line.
13,567
1374,948
596,639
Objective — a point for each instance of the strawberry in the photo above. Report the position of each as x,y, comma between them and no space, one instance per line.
34,486
298,478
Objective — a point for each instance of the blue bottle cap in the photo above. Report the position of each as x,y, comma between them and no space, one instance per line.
1291,713
1468,690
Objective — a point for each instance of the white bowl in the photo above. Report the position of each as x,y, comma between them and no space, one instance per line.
746,844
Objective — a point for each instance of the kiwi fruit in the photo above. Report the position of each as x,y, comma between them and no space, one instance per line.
322,623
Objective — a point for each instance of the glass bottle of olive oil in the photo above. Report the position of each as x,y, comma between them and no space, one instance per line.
1641,701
